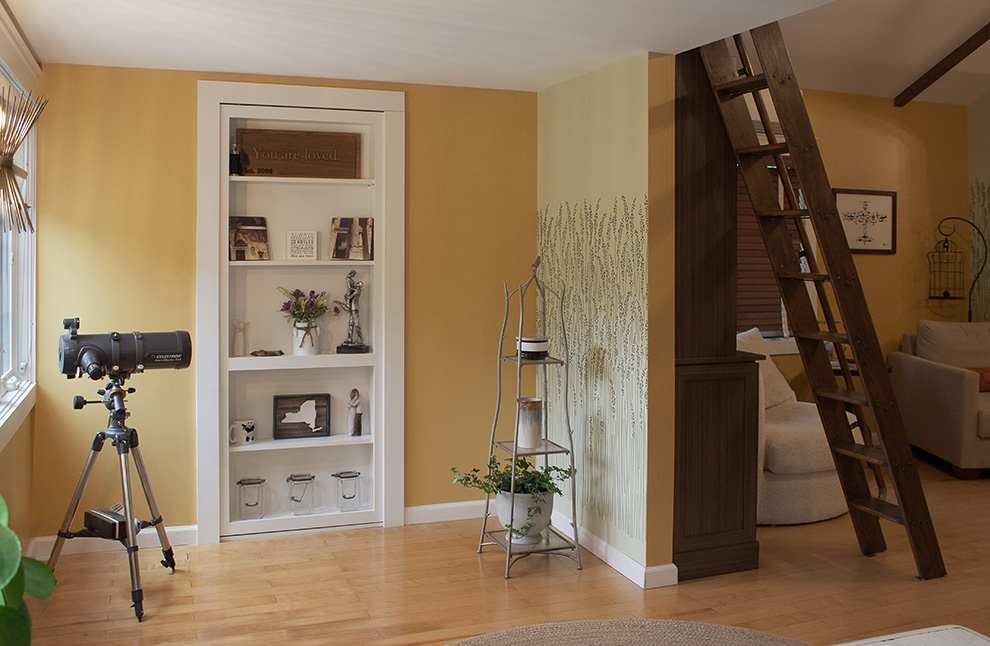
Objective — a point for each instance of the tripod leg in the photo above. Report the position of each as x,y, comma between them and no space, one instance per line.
137,595
156,518
63,532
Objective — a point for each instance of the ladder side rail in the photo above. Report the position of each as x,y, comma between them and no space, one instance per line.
849,295
763,193
848,292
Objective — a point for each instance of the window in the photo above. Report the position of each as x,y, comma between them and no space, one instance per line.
758,302
17,307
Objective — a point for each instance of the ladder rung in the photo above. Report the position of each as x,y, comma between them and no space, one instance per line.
784,213
803,275
879,508
824,335
742,85
767,150
847,396
871,454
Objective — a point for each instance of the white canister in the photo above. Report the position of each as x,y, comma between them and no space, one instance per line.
529,435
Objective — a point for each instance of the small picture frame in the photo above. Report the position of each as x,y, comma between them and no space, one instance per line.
300,416
352,239
300,245
868,219
248,238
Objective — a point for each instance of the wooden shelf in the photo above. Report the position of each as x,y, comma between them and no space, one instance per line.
303,443
292,362
322,517
262,264
262,179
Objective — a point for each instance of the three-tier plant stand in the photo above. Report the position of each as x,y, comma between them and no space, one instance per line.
553,541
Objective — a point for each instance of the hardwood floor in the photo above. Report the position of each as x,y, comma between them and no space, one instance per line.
425,584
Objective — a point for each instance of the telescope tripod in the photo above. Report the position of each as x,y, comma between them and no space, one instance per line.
126,441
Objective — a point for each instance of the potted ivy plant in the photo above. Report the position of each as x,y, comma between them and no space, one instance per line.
534,489
18,574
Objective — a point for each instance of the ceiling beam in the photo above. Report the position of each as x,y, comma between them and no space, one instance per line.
954,58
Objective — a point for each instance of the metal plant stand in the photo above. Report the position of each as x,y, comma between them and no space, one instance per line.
553,541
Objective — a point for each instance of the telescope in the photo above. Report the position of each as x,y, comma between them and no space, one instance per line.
97,355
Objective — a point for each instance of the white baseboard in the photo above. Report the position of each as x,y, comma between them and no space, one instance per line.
656,576
445,512
41,547
645,577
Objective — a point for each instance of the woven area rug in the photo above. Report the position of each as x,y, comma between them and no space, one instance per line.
627,632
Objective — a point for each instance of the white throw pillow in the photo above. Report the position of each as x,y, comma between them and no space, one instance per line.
965,345
775,387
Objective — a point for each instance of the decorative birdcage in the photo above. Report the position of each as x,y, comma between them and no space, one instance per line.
947,266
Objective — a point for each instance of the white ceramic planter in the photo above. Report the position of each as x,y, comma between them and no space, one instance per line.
521,513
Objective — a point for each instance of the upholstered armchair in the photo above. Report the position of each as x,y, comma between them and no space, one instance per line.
797,482
941,380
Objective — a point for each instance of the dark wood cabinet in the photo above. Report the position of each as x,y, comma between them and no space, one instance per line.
716,389
715,467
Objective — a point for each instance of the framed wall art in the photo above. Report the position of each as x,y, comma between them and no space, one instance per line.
248,238
868,218
352,239
300,245
300,416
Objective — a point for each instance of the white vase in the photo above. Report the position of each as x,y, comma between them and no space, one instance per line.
305,338
520,512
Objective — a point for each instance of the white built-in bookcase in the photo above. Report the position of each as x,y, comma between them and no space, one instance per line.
230,387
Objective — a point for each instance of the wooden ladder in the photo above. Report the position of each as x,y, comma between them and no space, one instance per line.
835,287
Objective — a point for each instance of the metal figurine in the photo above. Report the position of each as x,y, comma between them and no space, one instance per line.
355,339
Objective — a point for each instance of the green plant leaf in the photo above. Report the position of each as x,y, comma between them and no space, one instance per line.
15,626
39,580
4,515
13,592
10,555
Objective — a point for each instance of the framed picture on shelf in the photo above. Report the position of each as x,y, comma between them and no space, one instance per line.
352,239
300,416
868,218
248,238
300,245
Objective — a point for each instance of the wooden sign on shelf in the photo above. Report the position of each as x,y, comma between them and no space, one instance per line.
295,153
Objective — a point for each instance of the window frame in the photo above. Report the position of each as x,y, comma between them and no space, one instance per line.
19,382
20,69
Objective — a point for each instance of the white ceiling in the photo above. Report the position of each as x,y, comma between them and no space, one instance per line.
880,47
507,44
874,47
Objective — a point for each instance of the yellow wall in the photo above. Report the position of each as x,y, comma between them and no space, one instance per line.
978,120
116,225
660,447
15,478
919,151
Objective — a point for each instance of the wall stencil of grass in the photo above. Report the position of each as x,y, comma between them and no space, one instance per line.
597,251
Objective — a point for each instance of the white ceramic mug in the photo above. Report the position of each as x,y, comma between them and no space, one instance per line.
242,432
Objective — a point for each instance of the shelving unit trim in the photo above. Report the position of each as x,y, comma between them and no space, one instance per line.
379,116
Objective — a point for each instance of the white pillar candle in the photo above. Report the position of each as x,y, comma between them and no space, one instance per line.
530,431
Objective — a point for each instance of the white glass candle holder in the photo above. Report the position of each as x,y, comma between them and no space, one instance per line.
529,435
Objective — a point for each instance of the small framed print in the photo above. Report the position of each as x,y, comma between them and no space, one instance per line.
300,245
352,239
248,238
300,416
868,219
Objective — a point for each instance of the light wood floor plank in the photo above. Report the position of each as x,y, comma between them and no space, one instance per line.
426,585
